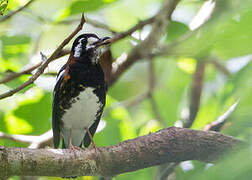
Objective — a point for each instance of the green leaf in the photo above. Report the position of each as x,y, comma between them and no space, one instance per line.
83,6
175,30
36,111
170,93
240,163
144,174
126,128
17,125
3,6
13,46
15,40
227,34
240,119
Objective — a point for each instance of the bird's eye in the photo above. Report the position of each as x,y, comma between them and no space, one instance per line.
83,41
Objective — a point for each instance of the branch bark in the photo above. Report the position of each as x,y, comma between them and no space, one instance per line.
167,145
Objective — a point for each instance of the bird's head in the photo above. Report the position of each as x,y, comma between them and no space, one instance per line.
86,48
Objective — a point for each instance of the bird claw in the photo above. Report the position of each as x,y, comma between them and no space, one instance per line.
95,147
74,148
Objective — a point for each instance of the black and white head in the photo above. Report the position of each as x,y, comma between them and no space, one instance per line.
86,48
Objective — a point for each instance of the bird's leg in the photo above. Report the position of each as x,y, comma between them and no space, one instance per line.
71,146
70,140
92,140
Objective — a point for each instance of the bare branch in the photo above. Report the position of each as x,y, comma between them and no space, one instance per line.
16,11
131,101
196,91
145,47
17,138
151,77
219,66
166,171
63,52
168,145
139,25
42,67
218,124
20,73
34,141
99,25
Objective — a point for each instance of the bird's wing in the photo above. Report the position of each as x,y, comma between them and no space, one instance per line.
92,130
94,126
55,109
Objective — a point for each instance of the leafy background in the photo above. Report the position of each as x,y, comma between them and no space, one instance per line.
226,37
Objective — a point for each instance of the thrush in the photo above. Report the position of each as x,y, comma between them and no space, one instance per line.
79,94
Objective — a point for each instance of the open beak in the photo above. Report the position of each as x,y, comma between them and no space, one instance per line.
102,42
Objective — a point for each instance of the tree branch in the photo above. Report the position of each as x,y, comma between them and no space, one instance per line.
42,67
16,11
145,47
167,145
63,52
197,85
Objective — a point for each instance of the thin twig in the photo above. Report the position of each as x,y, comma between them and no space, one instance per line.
131,101
34,141
144,48
217,64
156,111
151,85
17,137
151,76
18,74
13,75
117,37
139,25
45,64
16,11
197,85
168,169
219,123
90,21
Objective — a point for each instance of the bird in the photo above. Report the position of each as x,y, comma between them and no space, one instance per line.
79,95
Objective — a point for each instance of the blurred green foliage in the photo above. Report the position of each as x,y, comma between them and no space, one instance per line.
3,6
226,36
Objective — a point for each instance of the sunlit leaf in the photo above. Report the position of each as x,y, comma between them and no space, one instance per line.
13,46
126,128
36,111
150,127
187,65
16,125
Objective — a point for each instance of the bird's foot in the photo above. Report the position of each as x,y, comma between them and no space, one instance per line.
95,147
73,148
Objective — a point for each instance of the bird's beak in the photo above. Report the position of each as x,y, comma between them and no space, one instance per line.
102,42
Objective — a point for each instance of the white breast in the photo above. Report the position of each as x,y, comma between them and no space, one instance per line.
80,115
82,112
